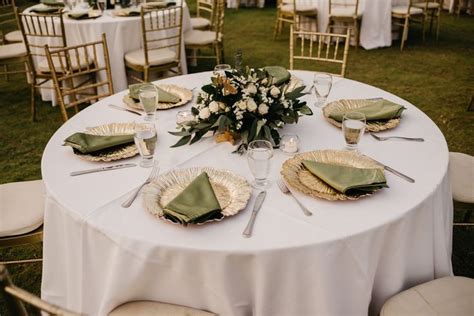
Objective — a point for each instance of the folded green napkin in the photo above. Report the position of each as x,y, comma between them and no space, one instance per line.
348,180
87,143
195,204
280,74
53,3
374,111
42,8
163,96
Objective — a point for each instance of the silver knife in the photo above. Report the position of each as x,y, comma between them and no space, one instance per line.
126,165
258,204
395,172
124,109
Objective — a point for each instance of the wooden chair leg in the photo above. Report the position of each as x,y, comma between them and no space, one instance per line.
423,27
405,33
32,100
437,25
275,30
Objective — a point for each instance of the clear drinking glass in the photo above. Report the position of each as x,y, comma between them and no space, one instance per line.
70,4
322,87
353,126
219,70
259,154
185,118
148,95
145,140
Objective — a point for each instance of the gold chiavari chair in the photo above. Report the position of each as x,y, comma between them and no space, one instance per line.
161,52
403,14
345,12
16,299
319,47
432,10
205,13
9,32
288,11
196,40
22,218
37,31
81,74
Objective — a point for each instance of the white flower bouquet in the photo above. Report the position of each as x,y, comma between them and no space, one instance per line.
244,106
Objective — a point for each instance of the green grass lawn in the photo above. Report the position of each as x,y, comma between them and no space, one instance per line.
437,77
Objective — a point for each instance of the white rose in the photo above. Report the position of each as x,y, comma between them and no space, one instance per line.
227,109
275,92
204,113
221,105
251,89
242,105
251,105
213,106
263,109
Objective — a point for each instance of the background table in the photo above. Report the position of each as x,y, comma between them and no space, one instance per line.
124,34
347,258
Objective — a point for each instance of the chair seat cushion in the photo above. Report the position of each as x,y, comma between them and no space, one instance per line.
14,37
299,8
445,296
345,12
149,308
156,57
431,5
21,207
461,170
12,50
403,9
43,65
197,37
199,23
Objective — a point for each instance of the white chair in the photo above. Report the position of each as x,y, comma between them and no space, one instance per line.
445,296
21,213
461,171
345,14
205,14
432,11
403,14
149,308
297,14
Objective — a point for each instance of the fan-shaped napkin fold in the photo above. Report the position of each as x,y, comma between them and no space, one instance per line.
280,74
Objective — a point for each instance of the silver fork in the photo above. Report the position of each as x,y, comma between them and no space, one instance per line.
413,139
153,174
285,190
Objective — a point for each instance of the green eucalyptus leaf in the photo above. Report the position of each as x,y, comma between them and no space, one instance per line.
181,133
183,141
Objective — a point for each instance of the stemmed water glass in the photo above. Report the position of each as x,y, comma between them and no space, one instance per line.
220,69
353,126
145,141
259,155
322,84
148,95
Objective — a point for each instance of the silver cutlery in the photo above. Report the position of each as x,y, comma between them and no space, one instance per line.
124,109
283,188
121,166
153,174
258,204
395,172
413,139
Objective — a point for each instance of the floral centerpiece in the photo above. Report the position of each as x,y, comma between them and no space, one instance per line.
244,106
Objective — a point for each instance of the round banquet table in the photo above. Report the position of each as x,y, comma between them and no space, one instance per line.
346,259
124,34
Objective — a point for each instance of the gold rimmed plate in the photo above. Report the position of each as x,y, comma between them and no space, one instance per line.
113,129
184,94
232,191
299,178
347,104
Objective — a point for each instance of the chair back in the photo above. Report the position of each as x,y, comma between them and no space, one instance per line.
162,29
81,74
8,20
319,47
349,6
16,298
219,14
205,9
39,30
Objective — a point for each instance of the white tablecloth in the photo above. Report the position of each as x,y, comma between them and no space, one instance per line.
124,35
346,259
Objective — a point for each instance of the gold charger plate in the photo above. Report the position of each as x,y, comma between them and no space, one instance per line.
346,104
184,94
299,178
232,191
112,129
